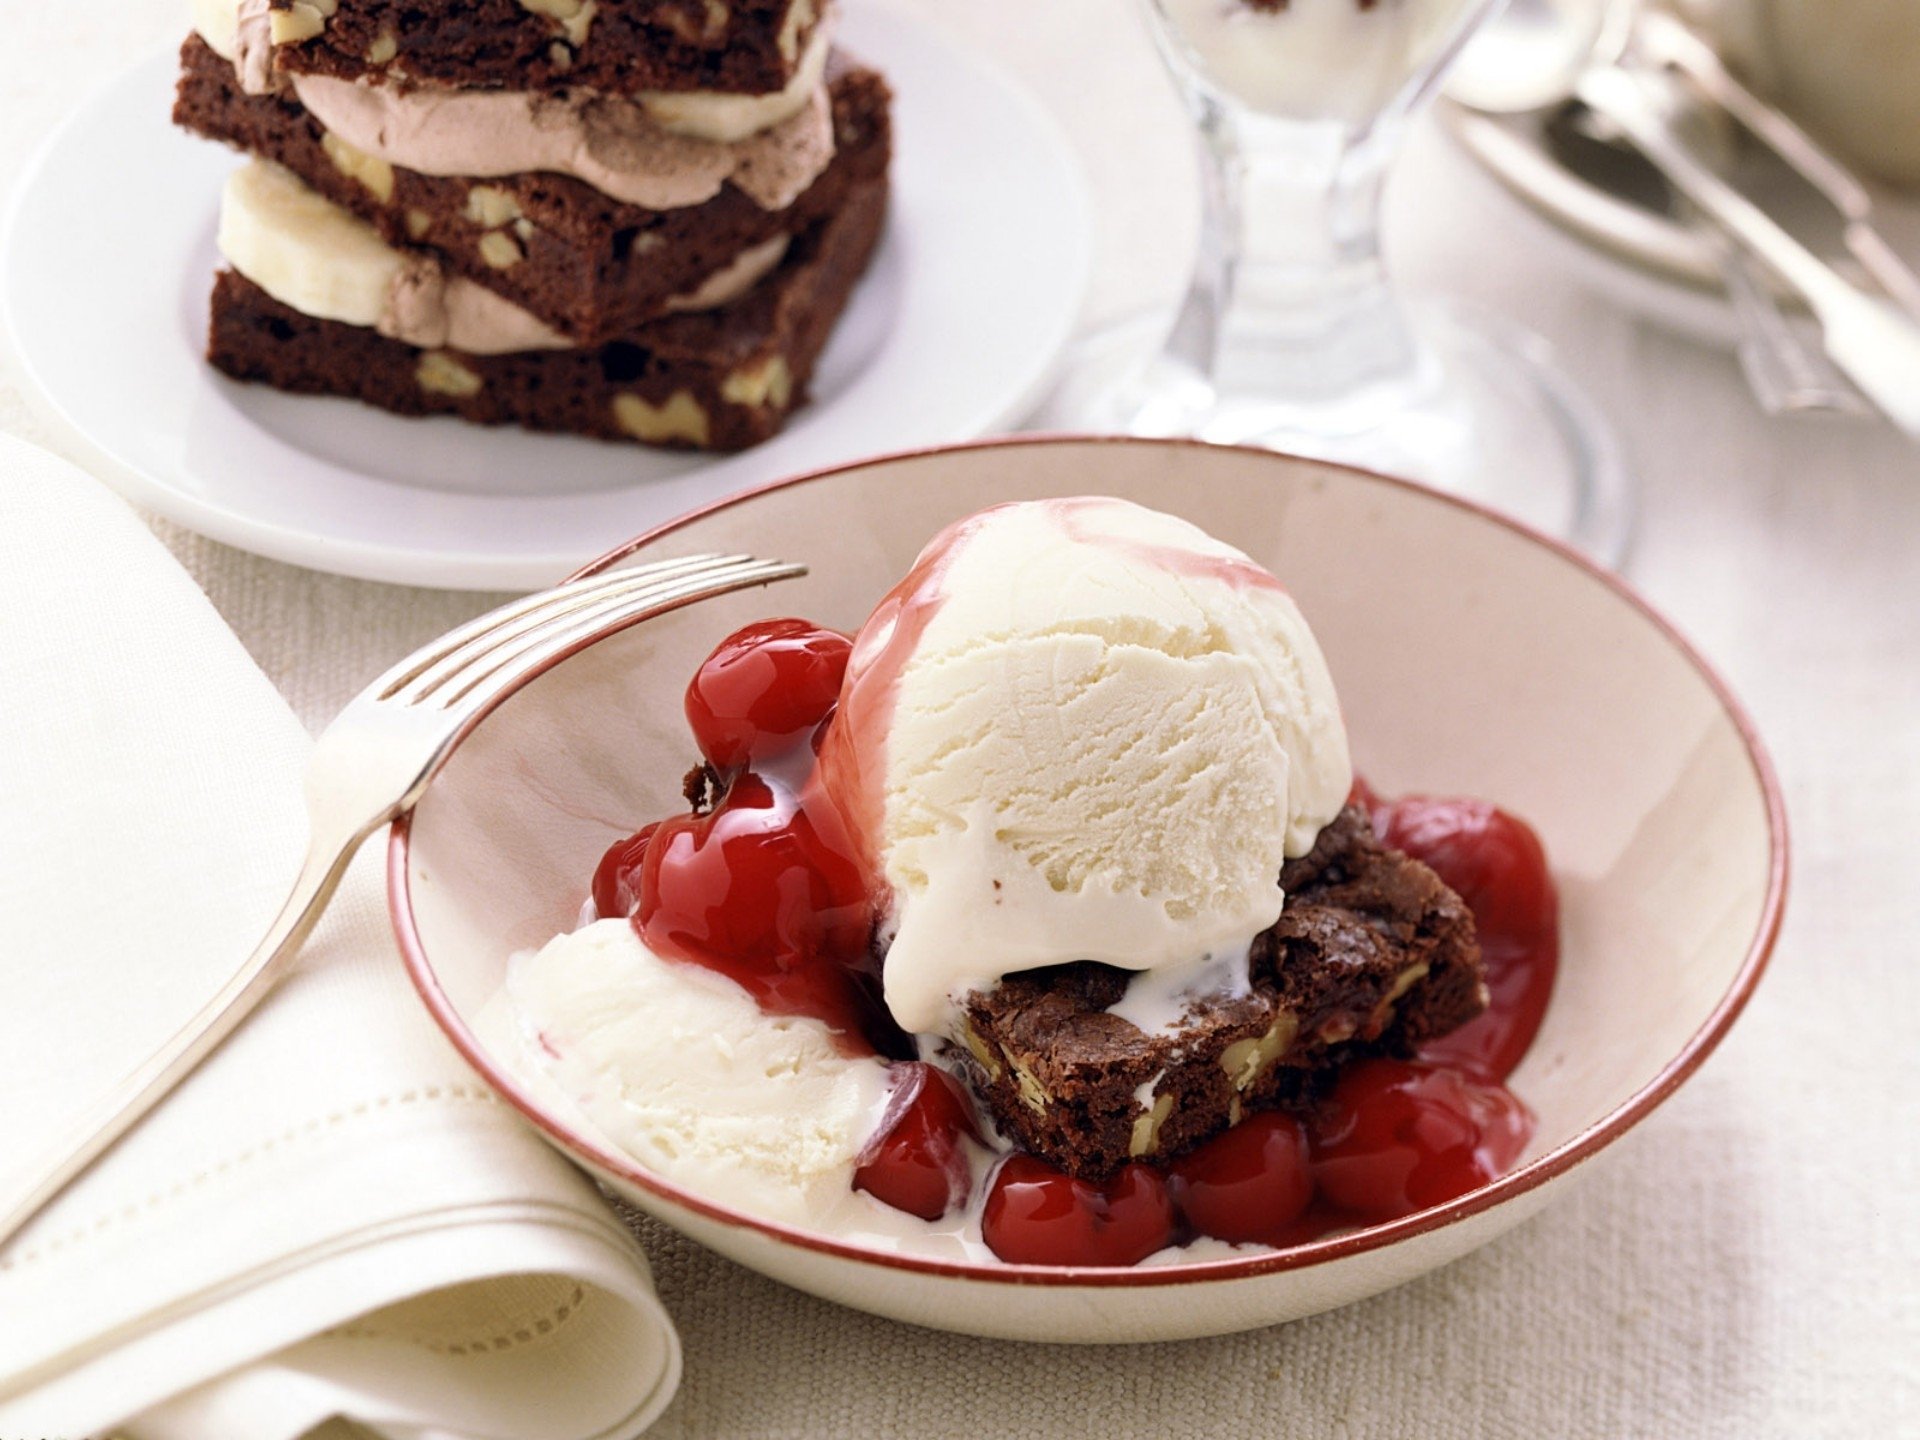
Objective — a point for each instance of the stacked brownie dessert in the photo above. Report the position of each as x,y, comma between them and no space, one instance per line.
632,219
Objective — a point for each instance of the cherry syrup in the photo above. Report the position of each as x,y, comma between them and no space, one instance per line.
1249,1185
1398,1136
765,885
1035,1215
762,885
917,1159
1495,863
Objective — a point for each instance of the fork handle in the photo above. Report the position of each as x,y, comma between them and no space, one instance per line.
120,1110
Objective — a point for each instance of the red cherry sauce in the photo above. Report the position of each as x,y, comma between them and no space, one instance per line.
1035,1215
1250,1185
761,887
752,890
764,690
1398,1136
917,1159
1496,864
616,879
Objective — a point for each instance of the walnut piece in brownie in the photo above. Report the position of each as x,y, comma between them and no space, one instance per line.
590,267
748,47
1371,954
713,380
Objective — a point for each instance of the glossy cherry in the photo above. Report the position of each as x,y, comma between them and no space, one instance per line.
764,689
1492,858
752,890
1499,868
1399,1136
1249,1184
1037,1215
616,879
917,1160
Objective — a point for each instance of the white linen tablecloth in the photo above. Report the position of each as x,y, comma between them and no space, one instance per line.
1747,1264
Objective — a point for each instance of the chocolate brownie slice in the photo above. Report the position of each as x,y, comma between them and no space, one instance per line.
717,380
747,47
1372,953
588,266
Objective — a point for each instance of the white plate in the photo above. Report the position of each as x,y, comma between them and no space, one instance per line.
108,258
1646,263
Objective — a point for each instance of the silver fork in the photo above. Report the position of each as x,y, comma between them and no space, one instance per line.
371,765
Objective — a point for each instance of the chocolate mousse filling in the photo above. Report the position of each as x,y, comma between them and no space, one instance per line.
592,268
611,142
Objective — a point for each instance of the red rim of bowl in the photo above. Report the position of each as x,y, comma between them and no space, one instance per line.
1528,1177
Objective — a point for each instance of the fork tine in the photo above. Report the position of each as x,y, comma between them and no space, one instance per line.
536,648
449,662
417,664
509,641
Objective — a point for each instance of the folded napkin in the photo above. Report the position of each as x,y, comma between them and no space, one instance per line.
333,1218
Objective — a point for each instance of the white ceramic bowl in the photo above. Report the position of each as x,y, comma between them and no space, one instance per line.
1472,657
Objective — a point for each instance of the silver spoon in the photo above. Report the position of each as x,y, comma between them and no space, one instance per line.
1543,52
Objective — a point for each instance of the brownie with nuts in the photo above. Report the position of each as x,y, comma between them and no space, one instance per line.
749,47
1372,954
712,380
588,266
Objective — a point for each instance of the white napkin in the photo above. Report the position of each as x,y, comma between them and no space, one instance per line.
333,1217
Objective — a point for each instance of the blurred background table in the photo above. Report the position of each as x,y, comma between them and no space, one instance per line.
1748,1263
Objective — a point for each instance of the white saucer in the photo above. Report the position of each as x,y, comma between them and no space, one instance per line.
108,256
1645,262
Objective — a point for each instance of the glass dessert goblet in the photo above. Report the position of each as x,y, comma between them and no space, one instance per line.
1290,335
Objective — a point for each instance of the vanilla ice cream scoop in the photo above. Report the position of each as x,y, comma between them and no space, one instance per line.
678,1066
1079,730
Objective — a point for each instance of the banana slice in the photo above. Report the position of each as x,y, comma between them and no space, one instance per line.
730,119
305,251
311,255
218,22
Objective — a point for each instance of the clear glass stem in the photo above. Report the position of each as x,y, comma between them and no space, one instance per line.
1289,304
1290,336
